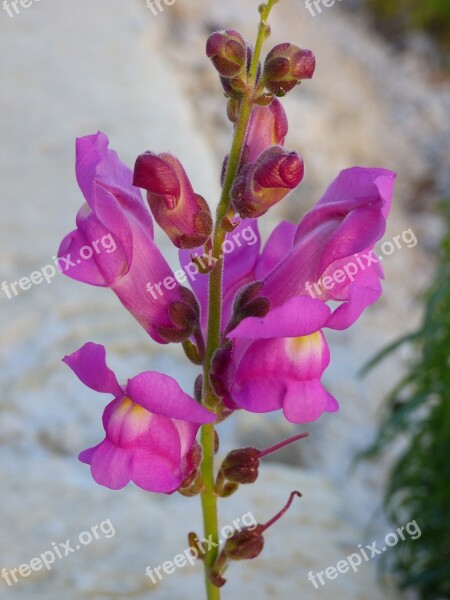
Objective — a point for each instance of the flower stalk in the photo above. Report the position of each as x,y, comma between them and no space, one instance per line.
208,497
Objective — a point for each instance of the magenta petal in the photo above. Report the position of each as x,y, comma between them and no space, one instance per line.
277,246
86,455
360,295
305,401
162,395
111,466
239,264
354,182
86,271
155,472
299,316
260,395
89,365
332,404
95,162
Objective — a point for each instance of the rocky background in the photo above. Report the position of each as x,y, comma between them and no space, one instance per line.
70,68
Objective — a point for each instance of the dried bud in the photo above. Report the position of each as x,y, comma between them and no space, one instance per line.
184,215
185,317
198,388
265,182
245,544
241,466
228,52
220,369
192,483
286,65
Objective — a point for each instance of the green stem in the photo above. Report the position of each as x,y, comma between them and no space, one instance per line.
208,497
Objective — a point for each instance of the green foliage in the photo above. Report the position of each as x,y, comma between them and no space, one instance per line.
432,16
418,413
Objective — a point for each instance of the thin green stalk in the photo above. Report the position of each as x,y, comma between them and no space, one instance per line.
208,496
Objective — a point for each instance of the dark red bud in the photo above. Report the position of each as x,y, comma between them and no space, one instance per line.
285,66
241,466
245,545
228,52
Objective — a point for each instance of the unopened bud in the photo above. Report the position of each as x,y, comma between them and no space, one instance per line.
264,183
228,52
178,210
245,545
286,65
241,466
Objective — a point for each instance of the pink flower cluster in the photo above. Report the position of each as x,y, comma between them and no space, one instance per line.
274,351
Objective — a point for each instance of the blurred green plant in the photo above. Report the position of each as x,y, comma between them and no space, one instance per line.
418,414
432,16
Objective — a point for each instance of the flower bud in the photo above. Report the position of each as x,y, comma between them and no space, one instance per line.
228,52
182,214
268,127
265,182
286,65
241,466
245,545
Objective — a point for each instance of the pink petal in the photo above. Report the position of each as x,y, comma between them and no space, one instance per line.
301,315
155,472
111,466
89,365
162,395
305,401
277,246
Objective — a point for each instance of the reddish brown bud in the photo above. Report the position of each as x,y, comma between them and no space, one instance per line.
228,52
266,181
241,466
178,210
245,545
286,65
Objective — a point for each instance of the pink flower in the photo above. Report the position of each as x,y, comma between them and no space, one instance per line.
276,360
150,426
181,213
348,220
115,209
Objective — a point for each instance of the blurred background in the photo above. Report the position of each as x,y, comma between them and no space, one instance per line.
380,97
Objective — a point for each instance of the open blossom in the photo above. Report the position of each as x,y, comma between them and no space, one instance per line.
275,361
150,426
114,207
179,211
